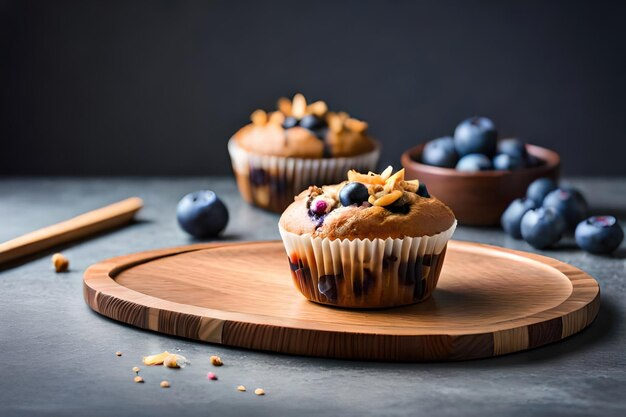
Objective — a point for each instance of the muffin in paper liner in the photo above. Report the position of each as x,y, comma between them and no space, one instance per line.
270,182
364,273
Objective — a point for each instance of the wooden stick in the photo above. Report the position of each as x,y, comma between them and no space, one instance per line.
78,227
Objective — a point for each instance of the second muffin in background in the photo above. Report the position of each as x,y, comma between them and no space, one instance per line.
370,242
281,153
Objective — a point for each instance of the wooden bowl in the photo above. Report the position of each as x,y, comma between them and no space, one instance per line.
479,198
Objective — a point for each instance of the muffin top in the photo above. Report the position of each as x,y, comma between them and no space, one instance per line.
301,130
368,206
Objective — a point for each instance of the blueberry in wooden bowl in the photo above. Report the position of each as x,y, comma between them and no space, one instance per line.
479,198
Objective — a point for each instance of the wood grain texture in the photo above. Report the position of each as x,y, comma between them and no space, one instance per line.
87,224
490,301
479,198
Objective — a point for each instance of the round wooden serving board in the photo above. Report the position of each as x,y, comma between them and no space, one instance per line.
490,301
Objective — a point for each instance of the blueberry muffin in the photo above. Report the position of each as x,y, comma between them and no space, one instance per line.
281,153
370,242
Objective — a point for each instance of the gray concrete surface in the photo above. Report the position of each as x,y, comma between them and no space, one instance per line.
57,356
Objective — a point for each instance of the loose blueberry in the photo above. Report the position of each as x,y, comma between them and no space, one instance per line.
512,147
506,162
202,214
599,234
512,216
569,203
542,227
474,162
353,193
422,191
539,189
440,152
311,122
476,135
290,122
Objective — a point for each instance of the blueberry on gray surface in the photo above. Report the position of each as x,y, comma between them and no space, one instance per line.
505,162
542,227
353,193
540,188
202,214
422,191
476,135
569,203
474,162
290,122
440,152
512,217
599,234
512,147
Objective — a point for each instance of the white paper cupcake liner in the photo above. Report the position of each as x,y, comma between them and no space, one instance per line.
272,182
364,273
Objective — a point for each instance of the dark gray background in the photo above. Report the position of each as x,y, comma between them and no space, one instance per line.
157,87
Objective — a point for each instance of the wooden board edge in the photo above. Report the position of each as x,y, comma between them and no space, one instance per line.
398,348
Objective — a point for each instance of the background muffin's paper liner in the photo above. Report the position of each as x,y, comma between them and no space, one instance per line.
366,273
272,181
